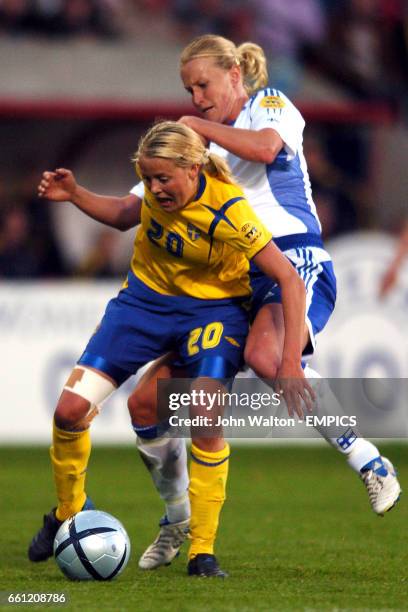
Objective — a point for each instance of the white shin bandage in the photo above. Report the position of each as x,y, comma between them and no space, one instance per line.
90,385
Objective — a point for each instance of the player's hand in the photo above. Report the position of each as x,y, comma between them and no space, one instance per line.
294,389
193,123
59,185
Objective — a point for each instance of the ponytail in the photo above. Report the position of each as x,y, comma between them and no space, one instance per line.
249,56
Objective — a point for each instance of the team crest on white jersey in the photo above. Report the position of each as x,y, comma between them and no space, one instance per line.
272,102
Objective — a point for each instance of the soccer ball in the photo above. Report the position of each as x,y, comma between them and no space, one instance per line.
92,545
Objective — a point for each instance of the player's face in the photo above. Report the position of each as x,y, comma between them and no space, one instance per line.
173,187
214,90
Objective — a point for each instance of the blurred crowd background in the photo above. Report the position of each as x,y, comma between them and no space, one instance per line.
324,54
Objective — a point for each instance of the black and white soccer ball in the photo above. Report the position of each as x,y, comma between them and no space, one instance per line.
92,545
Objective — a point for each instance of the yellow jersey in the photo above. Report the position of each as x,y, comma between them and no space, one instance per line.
203,249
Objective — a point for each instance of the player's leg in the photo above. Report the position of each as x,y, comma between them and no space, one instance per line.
166,459
83,393
364,458
262,354
212,353
208,472
376,472
119,347
159,456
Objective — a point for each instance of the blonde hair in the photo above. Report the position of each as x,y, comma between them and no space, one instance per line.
249,56
181,145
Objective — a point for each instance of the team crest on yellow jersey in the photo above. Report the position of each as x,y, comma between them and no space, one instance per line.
251,232
193,232
272,102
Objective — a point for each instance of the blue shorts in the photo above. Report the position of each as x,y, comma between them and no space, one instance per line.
140,325
314,266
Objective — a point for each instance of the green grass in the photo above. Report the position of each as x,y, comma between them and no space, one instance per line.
296,533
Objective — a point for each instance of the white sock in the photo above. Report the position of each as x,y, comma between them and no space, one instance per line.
359,451
362,452
166,459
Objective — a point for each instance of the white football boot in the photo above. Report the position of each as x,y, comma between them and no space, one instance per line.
382,485
166,546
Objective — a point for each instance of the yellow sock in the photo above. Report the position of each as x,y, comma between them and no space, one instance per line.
208,480
69,456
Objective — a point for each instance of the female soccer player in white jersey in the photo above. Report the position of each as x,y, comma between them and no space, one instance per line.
260,133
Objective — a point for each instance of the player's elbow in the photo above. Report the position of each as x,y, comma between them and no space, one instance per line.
129,215
124,225
268,144
267,153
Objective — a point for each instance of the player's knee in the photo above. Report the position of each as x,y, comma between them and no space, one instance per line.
83,392
71,412
142,407
264,363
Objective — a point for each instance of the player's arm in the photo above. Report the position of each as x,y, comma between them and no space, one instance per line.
245,232
389,279
253,145
290,377
119,212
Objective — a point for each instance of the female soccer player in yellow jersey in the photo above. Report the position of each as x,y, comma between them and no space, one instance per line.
188,280
259,132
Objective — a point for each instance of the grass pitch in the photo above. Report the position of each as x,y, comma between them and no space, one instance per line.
297,533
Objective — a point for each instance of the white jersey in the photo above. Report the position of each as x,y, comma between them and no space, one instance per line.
279,192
